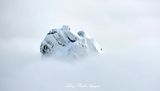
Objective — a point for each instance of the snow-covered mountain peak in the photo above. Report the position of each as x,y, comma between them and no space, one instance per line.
63,43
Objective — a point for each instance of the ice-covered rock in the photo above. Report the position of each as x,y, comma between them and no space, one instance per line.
63,43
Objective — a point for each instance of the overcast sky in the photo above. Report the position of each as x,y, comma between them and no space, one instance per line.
33,18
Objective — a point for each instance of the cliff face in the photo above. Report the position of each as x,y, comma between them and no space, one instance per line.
62,42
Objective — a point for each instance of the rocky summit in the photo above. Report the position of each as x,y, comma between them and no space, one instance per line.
64,43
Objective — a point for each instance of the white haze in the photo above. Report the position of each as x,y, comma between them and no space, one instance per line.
128,31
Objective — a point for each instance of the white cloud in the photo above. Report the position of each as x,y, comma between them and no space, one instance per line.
128,31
